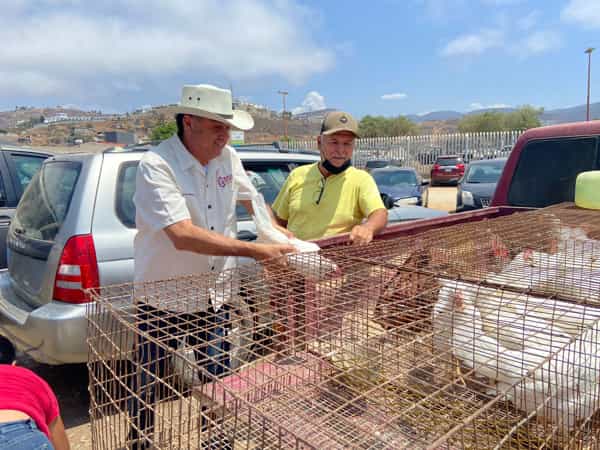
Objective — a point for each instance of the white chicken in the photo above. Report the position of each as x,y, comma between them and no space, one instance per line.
573,270
554,374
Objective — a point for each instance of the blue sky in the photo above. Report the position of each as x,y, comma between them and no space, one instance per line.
384,57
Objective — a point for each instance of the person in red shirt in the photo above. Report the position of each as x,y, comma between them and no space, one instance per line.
29,414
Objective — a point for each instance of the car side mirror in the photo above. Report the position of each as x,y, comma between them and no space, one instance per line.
245,235
388,201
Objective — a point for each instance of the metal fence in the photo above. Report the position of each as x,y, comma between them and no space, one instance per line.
420,152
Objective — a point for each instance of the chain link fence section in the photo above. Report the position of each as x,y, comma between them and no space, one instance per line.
420,152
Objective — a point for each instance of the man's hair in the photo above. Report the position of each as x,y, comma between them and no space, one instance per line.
179,123
7,351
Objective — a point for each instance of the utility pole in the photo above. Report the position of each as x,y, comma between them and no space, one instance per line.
589,53
284,114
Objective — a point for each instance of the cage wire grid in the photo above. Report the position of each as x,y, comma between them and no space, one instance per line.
477,335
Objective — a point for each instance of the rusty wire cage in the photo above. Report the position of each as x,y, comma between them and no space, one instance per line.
478,335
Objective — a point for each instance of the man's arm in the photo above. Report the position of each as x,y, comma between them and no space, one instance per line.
363,233
186,236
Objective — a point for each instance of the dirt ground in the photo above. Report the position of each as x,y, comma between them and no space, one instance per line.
70,382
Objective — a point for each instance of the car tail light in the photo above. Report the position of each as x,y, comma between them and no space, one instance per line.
77,270
461,167
436,167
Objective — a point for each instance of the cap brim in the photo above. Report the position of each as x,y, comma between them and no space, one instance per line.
240,119
339,130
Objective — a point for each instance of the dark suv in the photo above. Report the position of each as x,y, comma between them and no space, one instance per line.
17,168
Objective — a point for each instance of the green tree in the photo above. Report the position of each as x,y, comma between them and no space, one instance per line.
401,126
377,126
163,131
487,121
523,118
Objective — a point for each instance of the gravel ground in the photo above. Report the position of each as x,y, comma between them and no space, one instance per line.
70,382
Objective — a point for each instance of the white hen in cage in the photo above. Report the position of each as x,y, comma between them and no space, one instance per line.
554,374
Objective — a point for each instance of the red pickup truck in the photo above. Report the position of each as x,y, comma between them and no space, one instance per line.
540,171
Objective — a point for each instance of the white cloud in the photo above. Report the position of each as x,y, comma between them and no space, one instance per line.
442,9
476,105
394,96
72,43
501,2
582,12
312,102
539,42
474,44
35,83
506,40
528,21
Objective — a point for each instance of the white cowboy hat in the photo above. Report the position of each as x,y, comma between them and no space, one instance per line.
204,100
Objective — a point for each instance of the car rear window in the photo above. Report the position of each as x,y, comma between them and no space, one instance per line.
546,171
484,173
46,201
395,178
448,161
377,164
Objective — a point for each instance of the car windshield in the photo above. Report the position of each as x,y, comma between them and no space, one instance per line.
448,161
484,173
395,178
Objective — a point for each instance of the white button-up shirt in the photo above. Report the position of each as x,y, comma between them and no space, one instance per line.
172,186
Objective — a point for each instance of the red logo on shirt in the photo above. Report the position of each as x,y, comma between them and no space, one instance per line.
224,181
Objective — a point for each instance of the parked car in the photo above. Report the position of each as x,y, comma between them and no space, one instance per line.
407,213
74,229
17,167
402,184
477,186
447,169
380,163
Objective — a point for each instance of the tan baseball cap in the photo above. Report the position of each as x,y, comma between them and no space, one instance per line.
337,121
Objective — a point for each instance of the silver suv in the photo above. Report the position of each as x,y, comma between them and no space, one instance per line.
74,229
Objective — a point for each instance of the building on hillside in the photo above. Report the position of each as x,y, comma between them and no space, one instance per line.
313,116
120,137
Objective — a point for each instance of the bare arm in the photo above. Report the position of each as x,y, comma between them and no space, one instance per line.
363,233
58,435
187,236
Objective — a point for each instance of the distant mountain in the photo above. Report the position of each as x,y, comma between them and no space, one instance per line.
563,115
435,116
573,114
484,110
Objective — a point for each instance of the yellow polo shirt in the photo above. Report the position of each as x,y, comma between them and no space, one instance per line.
315,206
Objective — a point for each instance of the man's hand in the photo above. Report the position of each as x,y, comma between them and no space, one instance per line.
361,235
274,252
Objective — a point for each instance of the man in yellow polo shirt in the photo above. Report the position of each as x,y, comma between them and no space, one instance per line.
332,197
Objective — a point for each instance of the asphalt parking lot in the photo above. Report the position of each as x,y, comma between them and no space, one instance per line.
70,382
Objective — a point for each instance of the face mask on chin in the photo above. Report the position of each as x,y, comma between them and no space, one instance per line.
333,169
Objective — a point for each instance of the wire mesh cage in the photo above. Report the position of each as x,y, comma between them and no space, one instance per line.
478,335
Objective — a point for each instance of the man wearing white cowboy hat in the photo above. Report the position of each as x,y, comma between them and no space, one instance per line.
186,193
